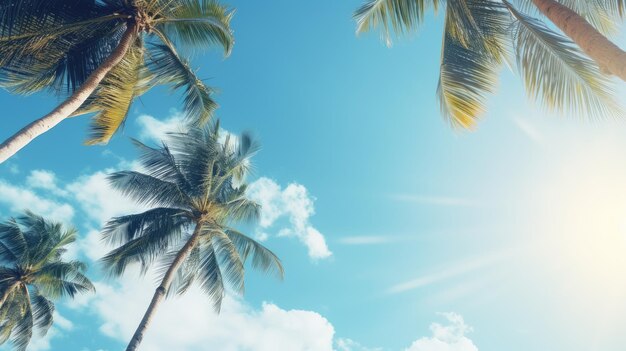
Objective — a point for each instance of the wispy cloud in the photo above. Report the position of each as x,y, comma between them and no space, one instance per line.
448,272
528,128
434,200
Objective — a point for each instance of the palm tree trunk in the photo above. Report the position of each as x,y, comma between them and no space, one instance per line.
71,104
607,55
160,292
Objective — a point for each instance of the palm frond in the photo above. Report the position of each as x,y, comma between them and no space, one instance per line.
148,190
12,242
160,163
262,258
462,26
23,327
60,279
397,15
120,230
210,277
603,15
557,73
155,240
187,273
169,68
43,310
466,77
229,261
239,207
59,56
195,23
31,272
115,95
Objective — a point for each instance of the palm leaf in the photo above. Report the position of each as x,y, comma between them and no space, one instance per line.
210,276
601,14
557,73
198,23
160,163
465,77
120,230
398,15
169,68
43,310
154,240
115,95
230,262
148,190
262,258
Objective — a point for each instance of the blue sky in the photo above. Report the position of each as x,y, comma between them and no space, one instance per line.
396,232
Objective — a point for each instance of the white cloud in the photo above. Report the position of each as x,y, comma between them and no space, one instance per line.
42,343
293,203
188,322
449,337
46,180
345,344
18,199
450,272
156,130
62,322
98,199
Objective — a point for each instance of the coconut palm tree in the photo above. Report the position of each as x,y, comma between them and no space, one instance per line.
478,35
105,53
32,273
195,186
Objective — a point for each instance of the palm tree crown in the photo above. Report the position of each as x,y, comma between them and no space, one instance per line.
32,272
58,44
478,36
195,187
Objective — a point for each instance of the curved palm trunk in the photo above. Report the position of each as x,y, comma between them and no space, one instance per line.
71,104
160,292
607,55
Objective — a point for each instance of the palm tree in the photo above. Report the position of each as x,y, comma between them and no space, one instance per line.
606,54
196,188
476,42
32,273
105,53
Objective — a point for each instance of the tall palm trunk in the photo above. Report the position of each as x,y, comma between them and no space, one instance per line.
607,55
71,104
160,292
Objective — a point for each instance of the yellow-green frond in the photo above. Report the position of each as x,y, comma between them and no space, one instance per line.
114,96
469,65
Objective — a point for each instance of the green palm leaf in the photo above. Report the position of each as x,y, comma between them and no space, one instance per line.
399,15
198,23
169,68
557,73
114,97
